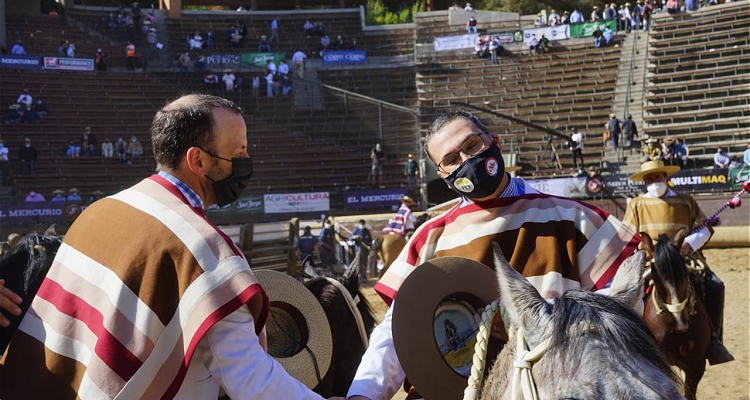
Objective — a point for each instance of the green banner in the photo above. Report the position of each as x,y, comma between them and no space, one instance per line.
738,176
585,29
260,59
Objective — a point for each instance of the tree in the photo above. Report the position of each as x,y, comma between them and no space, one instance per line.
380,14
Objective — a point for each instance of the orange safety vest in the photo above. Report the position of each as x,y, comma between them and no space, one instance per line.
130,50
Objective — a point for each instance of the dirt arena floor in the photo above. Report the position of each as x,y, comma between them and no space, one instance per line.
730,381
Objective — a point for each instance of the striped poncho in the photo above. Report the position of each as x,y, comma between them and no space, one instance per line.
139,280
556,243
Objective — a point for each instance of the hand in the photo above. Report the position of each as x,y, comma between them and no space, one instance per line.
685,249
8,301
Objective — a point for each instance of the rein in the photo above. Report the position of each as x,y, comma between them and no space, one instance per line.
352,302
674,308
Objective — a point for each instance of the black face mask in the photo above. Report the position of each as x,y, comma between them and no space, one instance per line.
230,188
479,176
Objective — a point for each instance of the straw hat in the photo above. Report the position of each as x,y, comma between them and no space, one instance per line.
651,167
408,200
652,139
73,190
296,323
410,156
97,192
613,115
58,191
441,292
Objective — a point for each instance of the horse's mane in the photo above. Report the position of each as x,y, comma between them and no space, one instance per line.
669,263
618,325
23,270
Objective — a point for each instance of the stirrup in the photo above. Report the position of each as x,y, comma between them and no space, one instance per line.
718,354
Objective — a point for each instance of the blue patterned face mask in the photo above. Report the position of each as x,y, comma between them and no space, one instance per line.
479,176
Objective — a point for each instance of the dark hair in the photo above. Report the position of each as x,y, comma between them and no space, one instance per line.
446,118
361,221
184,123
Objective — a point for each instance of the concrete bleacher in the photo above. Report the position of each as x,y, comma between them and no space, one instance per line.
699,74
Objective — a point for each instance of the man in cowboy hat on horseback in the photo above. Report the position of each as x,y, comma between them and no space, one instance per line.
662,210
558,243
403,222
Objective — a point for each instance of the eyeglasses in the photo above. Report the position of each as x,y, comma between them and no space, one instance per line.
473,145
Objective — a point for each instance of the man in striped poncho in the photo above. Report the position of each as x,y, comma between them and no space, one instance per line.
557,243
146,298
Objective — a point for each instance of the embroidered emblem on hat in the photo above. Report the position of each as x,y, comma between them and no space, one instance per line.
491,166
464,185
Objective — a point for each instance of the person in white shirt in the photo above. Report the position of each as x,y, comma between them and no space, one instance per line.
271,67
71,50
269,85
468,7
228,79
576,17
299,62
25,98
274,31
196,42
256,86
283,68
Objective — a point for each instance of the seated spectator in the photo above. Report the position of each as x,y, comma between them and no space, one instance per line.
673,6
184,62
263,45
539,21
96,195
196,41
352,44
533,44
90,139
100,60
608,35
543,44
667,150
108,148
735,162
283,68
200,64
135,148
309,28
25,98
18,49
74,149
235,38
74,197
286,85
320,29
120,146
339,45
228,80
598,37
469,7
71,51
34,197
59,196
652,151
721,159
14,115
29,115
681,152
471,26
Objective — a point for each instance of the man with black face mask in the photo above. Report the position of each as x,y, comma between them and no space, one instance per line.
157,301
557,243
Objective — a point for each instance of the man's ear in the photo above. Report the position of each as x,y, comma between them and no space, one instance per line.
195,161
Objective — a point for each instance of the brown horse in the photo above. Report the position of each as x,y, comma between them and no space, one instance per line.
349,340
674,310
387,248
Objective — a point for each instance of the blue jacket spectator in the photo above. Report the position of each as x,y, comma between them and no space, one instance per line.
18,49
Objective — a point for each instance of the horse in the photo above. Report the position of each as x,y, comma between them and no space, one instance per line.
386,248
23,268
674,310
585,345
351,332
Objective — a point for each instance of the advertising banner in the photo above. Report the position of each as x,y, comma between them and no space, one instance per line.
25,62
70,64
296,202
454,42
260,59
700,180
35,213
559,32
250,205
224,59
586,29
738,176
376,198
339,57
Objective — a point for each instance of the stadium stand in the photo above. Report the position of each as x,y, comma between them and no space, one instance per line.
699,72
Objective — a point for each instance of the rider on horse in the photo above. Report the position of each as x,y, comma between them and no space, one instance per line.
403,222
662,210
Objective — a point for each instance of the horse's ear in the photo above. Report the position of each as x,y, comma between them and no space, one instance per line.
51,231
525,305
627,285
308,268
679,237
647,244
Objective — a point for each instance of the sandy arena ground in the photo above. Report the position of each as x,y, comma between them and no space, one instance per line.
730,381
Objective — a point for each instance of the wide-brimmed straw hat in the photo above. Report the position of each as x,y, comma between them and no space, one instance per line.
433,321
650,167
408,200
58,191
297,330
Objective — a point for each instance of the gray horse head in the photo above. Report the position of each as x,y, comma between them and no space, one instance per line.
598,347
